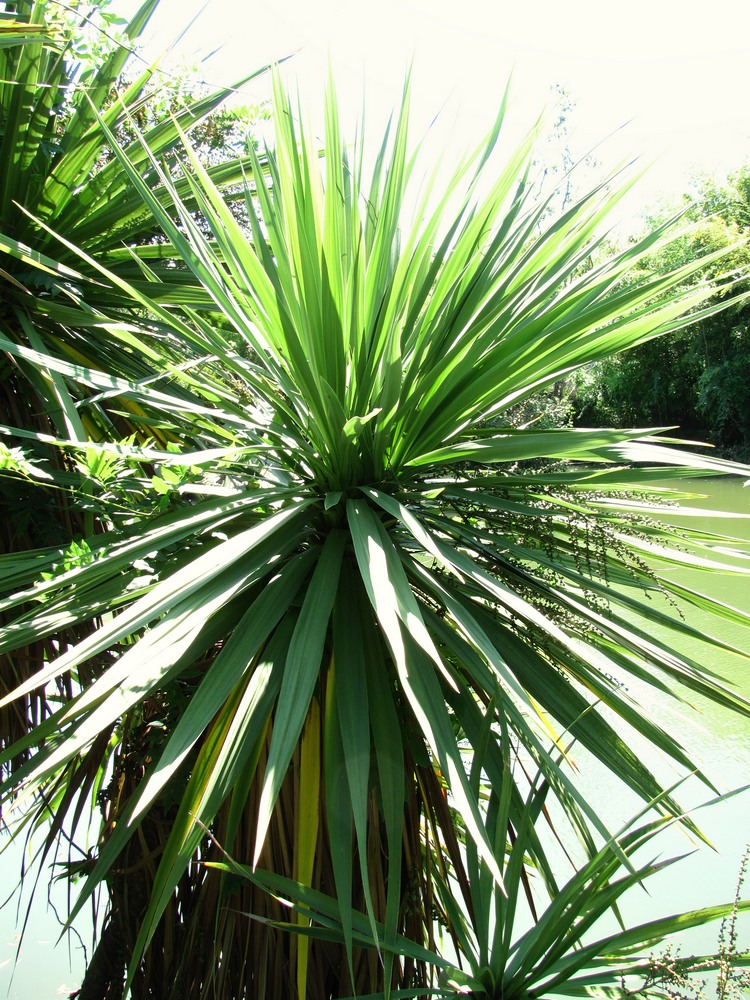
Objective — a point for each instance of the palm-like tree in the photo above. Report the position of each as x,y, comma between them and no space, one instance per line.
362,575
56,170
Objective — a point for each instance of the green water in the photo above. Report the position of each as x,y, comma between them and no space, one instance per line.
719,741
716,739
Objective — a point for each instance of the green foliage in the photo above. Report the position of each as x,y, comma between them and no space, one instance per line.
695,378
319,569
55,171
88,32
493,954
724,393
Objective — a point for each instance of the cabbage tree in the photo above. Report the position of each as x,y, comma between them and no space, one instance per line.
355,578
56,169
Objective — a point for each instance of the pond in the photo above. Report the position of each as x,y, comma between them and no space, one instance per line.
717,740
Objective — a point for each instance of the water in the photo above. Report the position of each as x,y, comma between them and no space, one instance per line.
37,965
716,739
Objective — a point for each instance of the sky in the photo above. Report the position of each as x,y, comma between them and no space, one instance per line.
663,80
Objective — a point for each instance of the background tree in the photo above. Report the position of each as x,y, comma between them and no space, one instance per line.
696,378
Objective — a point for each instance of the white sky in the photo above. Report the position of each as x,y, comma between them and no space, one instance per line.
677,70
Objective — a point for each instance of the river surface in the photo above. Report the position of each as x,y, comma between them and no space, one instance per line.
716,739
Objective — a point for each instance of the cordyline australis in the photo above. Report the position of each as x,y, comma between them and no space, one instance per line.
331,611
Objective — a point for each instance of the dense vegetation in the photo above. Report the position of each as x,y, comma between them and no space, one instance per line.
296,606
697,378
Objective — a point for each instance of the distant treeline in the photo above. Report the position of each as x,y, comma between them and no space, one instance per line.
697,378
